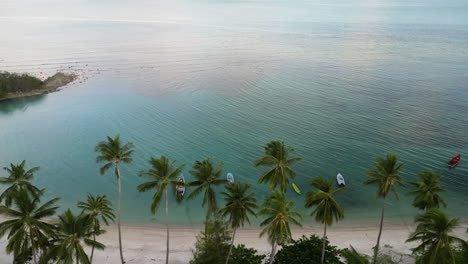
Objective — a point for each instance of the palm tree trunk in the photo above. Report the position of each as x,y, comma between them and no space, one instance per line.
273,251
323,243
167,229
232,243
376,249
92,249
117,173
32,246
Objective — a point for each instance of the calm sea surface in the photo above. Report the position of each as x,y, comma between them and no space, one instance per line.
342,82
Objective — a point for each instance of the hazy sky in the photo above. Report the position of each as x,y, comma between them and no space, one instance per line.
239,11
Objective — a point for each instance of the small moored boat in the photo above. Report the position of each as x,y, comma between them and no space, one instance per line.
340,180
181,188
296,189
230,178
454,161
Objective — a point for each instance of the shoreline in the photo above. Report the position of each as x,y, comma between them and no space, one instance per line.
144,244
51,84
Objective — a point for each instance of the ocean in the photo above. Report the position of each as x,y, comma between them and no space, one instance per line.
342,82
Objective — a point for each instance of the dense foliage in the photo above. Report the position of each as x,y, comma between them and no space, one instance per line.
242,255
307,250
212,244
13,82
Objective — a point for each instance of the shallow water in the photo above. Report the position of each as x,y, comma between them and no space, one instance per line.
343,83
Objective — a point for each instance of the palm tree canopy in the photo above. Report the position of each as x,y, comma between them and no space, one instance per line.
26,229
277,157
239,204
353,257
326,208
207,176
386,175
426,191
99,207
433,231
75,231
113,151
162,173
18,178
279,214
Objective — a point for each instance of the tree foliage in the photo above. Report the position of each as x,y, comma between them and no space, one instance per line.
307,250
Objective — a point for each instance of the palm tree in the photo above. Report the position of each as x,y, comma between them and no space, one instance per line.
239,204
386,177
279,214
277,157
207,177
19,178
26,228
100,209
426,191
437,245
74,233
112,152
327,209
162,173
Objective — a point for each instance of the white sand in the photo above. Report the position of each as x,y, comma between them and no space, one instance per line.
144,244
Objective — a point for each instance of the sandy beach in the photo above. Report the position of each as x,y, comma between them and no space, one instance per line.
145,244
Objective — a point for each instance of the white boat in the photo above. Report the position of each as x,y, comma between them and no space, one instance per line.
230,178
340,180
181,188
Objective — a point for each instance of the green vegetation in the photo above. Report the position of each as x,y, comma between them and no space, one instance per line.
386,177
276,157
326,209
18,83
426,191
279,217
307,250
112,152
100,209
239,204
437,245
162,173
207,176
36,235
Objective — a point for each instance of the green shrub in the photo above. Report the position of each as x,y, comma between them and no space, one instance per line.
13,82
212,244
242,255
307,251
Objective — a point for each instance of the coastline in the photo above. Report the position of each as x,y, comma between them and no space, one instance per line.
144,244
51,84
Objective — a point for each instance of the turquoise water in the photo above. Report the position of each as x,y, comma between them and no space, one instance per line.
343,83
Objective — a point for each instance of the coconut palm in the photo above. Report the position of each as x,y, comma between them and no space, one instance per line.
18,178
426,191
279,215
239,204
276,157
112,152
100,209
162,173
26,229
326,209
433,231
386,176
75,231
207,177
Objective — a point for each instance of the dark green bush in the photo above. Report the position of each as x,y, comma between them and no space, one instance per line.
242,255
13,82
307,251
212,244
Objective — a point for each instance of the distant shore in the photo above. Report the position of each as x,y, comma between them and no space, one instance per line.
145,244
51,84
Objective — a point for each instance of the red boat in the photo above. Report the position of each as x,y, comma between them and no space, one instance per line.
454,161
